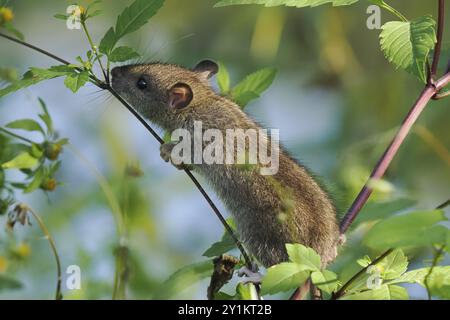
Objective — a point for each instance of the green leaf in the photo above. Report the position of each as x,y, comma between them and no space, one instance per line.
136,15
184,278
224,245
22,161
412,229
283,277
394,265
75,81
382,293
108,41
121,54
288,3
408,44
223,79
31,77
8,283
439,283
380,210
325,280
25,124
36,182
130,20
245,291
252,86
303,256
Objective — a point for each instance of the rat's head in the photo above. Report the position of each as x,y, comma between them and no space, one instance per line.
163,92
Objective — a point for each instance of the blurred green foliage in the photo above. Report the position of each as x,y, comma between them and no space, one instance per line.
110,224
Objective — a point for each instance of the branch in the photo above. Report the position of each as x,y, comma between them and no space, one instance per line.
342,290
431,91
105,86
440,32
389,154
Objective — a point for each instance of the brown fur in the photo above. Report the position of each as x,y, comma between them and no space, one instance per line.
270,211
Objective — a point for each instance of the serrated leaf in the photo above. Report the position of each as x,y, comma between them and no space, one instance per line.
325,280
75,81
394,265
288,3
408,44
121,54
131,19
304,256
108,41
184,278
22,161
283,277
34,76
382,293
439,283
413,229
136,15
252,86
223,79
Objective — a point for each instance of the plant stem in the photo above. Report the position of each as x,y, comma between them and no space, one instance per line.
389,154
58,295
440,32
94,49
436,259
342,290
12,134
102,85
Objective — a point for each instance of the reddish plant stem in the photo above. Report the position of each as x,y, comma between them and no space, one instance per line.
391,151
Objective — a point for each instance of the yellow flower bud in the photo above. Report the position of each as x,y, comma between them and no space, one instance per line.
6,14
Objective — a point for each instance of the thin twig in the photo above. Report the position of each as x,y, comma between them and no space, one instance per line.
58,295
342,290
440,32
102,85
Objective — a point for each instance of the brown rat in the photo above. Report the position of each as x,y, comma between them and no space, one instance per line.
269,210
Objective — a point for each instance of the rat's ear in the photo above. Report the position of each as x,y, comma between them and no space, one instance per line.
206,69
180,96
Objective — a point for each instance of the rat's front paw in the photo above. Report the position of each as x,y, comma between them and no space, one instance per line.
165,150
166,154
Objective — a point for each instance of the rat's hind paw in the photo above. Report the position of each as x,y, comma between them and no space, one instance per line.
251,276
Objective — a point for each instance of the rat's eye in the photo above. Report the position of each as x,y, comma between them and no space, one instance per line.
142,83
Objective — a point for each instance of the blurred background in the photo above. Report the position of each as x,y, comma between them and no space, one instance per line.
336,101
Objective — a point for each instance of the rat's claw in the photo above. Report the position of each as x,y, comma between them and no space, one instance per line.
251,276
